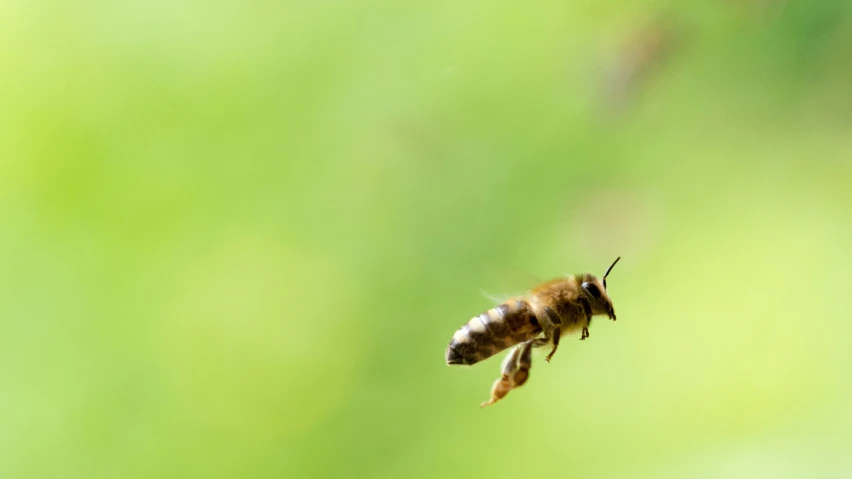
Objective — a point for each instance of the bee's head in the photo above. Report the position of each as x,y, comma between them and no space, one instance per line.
596,294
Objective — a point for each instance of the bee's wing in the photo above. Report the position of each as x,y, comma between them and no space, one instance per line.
498,298
513,278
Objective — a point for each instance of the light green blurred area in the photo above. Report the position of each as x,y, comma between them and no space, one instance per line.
236,237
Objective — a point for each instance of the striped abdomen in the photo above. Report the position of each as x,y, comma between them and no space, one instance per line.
489,333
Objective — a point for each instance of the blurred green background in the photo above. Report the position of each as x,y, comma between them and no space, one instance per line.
236,237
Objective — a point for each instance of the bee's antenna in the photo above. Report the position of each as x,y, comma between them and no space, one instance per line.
608,270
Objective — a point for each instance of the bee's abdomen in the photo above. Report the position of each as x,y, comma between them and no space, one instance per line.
493,331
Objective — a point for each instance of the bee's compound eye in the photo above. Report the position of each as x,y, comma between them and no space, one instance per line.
592,289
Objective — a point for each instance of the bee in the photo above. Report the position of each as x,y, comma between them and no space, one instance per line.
551,310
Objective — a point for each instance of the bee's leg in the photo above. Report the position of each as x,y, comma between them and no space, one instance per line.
504,384
587,308
515,372
520,376
556,334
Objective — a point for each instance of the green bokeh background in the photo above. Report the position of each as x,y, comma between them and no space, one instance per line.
237,236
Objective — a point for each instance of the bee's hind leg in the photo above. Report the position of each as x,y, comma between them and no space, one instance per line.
522,370
516,371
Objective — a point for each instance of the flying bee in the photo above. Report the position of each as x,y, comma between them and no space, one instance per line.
551,310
